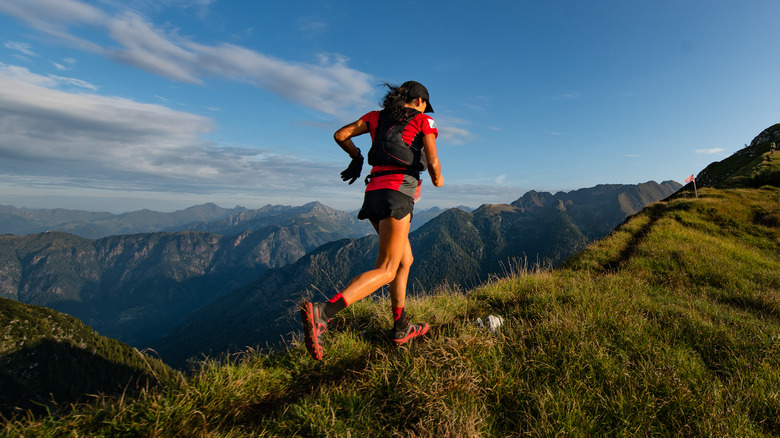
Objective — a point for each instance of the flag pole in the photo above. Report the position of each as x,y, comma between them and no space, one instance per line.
693,180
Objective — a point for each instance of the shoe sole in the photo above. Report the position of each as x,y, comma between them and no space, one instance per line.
309,336
412,335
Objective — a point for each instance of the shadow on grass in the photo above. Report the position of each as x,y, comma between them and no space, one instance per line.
757,306
654,213
52,374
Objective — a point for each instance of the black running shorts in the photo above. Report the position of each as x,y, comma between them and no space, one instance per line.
384,203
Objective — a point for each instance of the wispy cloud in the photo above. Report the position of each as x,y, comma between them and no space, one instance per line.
474,195
453,130
55,16
20,47
712,151
11,73
328,85
312,27
568,96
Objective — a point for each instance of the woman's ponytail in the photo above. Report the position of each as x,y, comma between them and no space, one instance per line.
394,101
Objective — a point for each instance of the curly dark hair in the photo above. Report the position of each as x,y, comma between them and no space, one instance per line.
394,101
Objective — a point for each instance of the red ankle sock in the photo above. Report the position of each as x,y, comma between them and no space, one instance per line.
399,317
335,305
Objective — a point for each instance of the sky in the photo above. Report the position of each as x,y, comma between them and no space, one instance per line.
122,105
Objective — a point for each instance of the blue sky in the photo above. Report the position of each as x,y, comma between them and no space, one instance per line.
112,105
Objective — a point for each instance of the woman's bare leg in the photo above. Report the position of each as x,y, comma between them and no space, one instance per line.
398,285
394,252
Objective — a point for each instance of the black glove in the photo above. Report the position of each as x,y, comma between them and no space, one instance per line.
353,171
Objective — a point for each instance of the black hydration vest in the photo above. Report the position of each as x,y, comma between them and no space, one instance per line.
388,147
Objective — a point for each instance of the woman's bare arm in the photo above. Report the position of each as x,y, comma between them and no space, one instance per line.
434,167
344,136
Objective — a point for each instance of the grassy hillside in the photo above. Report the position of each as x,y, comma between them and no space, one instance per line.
752,166
49,359
670,326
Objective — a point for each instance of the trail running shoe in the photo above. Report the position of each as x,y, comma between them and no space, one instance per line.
314,326
411,331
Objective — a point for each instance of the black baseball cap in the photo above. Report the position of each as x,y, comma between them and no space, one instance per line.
415,90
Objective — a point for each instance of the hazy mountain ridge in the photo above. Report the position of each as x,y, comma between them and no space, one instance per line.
239,222
593,210
205,218
421,217
94,225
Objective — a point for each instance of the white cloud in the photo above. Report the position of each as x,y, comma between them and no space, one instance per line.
451,130
472,195
150,49
709,151
67,64
312,27
328,85
74,82
12,73
20,47
54,16
46,14
42,123
187,3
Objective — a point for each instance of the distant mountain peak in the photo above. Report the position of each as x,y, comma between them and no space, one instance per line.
532,199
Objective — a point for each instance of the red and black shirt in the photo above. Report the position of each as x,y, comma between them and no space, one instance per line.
420,125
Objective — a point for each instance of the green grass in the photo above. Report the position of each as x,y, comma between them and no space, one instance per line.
668,327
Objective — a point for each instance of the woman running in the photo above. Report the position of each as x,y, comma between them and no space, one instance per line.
403,144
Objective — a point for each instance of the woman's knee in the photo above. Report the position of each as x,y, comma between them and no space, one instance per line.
388,274
406,261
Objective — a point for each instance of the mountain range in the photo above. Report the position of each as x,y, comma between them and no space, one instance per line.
208,218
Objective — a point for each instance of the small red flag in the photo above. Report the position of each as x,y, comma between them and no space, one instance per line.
690,178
